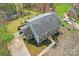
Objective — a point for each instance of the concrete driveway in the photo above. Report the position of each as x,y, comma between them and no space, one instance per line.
17,47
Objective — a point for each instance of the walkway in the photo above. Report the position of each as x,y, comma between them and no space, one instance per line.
51,45
17,47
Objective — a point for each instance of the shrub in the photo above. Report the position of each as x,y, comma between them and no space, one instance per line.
7,37
4,36
2,29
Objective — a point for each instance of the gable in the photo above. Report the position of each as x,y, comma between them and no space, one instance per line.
44,24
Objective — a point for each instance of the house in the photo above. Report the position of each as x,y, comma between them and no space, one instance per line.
27,32
41,26
74,11
68,19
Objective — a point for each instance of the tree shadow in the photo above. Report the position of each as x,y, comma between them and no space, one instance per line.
45,42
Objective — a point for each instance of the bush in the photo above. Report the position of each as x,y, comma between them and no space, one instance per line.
4,36
7,37
2,29
4,39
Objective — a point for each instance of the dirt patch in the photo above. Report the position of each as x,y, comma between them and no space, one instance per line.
68,44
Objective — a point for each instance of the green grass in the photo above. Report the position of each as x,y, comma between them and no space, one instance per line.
74,30
64,24
62,8
5,38
77,21
4,35
13,25
3,49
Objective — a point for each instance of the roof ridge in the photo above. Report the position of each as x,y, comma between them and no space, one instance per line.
39,16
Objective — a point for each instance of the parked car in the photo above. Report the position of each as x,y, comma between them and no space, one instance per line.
69,20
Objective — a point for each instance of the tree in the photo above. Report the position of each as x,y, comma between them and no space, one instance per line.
1,20
53,6
27,7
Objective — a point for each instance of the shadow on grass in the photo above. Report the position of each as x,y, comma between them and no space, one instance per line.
45,42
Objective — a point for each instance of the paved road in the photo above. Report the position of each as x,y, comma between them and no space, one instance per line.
17,47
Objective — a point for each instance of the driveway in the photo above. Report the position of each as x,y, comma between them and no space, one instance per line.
17,47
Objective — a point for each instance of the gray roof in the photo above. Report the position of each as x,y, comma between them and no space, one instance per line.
26,30
43,23
39,16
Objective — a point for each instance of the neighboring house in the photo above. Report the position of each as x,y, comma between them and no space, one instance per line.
42,26
68,19
74,11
